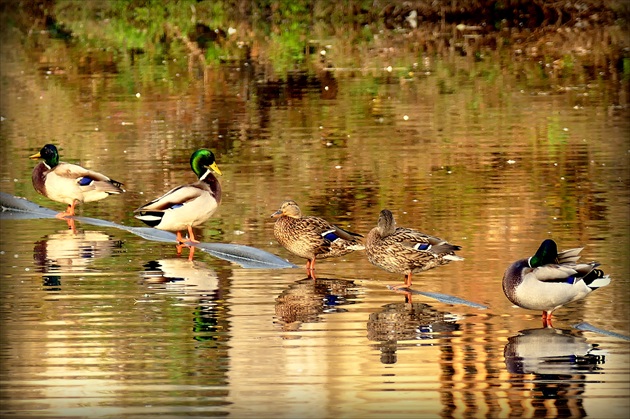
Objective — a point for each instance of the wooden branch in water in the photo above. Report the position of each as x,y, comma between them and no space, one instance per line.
16,208
443,298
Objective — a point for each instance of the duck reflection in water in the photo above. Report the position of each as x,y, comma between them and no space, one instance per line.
559,361
304,300
550,351
71,251
187,280
192,283
407,321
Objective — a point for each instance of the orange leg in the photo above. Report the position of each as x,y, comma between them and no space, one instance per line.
407,283
408,298
182,243
408,280
71,208
191,235
546,319
310,268
71,225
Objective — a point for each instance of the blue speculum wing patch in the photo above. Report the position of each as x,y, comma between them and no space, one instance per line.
331,300
568,280
176,206
422,246
84,181
330,236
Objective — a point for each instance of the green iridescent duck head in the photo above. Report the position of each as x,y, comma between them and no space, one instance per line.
203,160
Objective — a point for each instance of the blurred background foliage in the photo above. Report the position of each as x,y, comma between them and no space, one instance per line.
283,35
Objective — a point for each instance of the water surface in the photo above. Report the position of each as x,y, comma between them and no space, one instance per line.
103,323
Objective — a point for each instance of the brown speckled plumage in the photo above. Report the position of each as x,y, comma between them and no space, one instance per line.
405,251
311,237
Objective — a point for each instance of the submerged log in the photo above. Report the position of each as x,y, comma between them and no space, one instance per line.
17,208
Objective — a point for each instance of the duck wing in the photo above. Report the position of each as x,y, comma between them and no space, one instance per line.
423,242
566,269
176,197
87,179
555,273
344,234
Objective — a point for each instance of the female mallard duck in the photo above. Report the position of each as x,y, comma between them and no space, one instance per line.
186,206
69,183
405,251
311,237
548,280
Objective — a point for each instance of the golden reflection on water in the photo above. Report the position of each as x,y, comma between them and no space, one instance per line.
105,320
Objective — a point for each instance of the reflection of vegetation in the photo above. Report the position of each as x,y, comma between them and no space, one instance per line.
555,133
563,38
451,91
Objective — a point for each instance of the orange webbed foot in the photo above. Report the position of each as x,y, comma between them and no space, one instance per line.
64,215
69,212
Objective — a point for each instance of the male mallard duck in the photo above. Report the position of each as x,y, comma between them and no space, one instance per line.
548,280
405,251
190,280
550,351
311,237
186,206
69,183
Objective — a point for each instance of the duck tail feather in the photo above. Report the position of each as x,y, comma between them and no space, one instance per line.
596,279
570,255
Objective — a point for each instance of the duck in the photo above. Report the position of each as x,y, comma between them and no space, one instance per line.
191,281
311,237
548,351
404,250
551,279
189,205
69,183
